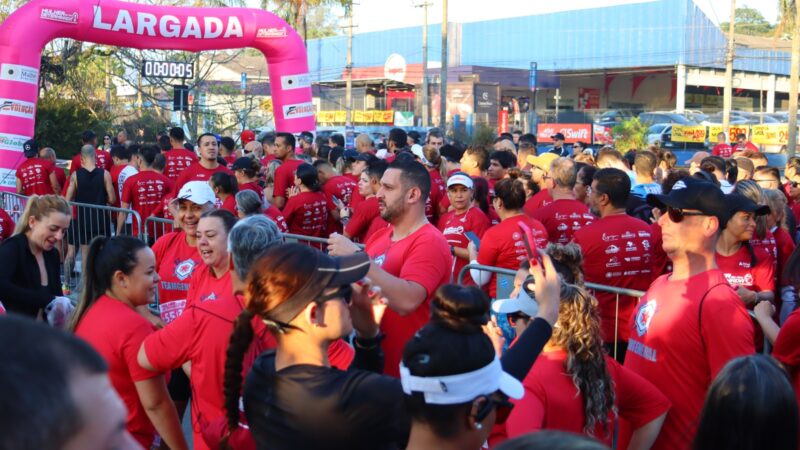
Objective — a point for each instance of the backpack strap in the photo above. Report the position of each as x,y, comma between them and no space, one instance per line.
700,314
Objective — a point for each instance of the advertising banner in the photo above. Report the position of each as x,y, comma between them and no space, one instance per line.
502,121
588,98
573,132
772,134
689,133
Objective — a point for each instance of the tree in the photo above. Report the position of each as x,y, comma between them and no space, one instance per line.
630,134
790,11
311,18
750,21
60,122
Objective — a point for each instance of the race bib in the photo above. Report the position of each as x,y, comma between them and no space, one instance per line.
172,310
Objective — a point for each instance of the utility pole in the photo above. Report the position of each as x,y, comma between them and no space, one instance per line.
794,74
425,101
727,99
443,76
348,92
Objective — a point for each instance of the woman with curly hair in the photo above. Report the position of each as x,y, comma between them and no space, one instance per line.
574,386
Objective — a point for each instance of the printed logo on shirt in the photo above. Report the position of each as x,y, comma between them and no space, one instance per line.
613,274
744,264
739,280
646,245
380,259
611,249
628,235
562,227
184,269
614,262
631,247
644,316
610,237
208,298
644,234
453,230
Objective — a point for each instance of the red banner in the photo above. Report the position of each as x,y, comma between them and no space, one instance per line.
502,121
573,132
588,98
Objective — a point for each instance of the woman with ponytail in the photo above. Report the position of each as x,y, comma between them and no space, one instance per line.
574,386
120,276
306,210
29,261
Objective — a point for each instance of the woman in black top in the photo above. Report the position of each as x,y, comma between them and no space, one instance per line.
293,398
30,274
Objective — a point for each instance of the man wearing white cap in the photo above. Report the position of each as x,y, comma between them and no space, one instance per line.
463,218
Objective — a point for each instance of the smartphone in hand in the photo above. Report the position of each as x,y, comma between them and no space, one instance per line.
474,238
530,243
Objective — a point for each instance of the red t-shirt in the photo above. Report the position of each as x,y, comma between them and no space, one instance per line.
432,203
342,188
787,351
205,287
201,335
276,216
661,263
178,160
747,146
723,150
454,226
229,204
61,175
230,159
562,218
196,172
680,348
617,252
502,245
284,177
116,331
102,160
266,160
739,271
786,247
145,192
306,213
424,258
539,199
253,186
365,220
34,174
6,225
176,262
552,402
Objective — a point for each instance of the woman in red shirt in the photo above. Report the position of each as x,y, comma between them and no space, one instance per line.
246,170
502,244
306,211
574,386
213,279
225,189
123,277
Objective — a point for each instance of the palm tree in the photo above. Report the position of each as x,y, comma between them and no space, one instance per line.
790,11
295,11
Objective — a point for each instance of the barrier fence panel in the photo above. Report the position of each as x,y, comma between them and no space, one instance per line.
155,227
316,242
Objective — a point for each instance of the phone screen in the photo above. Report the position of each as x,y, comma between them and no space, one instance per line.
474,238
530,243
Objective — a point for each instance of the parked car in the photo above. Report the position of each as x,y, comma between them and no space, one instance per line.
665,117
614,117
655,133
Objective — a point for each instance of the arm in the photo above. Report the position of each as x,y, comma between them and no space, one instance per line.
161,411
112,196
488,255
403,296
54,181
764,312
20,190
644,436
71,186
279,201
121,217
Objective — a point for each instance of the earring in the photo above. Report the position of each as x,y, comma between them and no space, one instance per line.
478,426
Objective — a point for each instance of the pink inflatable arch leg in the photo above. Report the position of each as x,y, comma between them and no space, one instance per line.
25,33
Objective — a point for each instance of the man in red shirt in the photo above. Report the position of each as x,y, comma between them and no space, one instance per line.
102,157
365,218
284,174
338,190
743,144
35,176
475,161
499,163
144,191
178,158
410,258
690,323
617,251
565,215
208,165
48,154
722,148
227,147
540,174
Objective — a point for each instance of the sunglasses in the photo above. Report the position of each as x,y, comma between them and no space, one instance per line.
677,215
497,401
514,317
345,293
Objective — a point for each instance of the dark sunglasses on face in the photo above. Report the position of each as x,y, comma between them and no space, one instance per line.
514,317
500,403
677,215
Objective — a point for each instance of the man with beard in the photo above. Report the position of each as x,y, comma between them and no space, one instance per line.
410,258
617,251
208,165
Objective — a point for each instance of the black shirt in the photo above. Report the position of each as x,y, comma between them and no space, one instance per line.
21,289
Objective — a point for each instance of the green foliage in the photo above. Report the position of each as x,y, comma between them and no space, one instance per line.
60,122
750,21
630,134
146,127
482,135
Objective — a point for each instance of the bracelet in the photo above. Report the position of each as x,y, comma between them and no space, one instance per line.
368,343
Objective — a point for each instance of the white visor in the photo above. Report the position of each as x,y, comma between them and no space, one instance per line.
464,387
521,303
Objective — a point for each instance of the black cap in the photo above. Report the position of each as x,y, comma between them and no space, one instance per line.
737,202
366,156
559,136
30,148
242,163
693,193
329,272
451,153
350,154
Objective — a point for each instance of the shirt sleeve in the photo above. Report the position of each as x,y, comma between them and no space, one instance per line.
638,401
764,273
786,349
726,328
528,413
427,262
130,352
170,347
359,223
288,210
127,191
281,181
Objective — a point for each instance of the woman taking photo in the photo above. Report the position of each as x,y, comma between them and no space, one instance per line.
306,211
213,279
462,218
293,398
30,276
502,244
120,276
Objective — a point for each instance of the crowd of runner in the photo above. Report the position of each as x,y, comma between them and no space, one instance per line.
374,333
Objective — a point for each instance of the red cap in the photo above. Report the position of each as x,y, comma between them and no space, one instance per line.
247,137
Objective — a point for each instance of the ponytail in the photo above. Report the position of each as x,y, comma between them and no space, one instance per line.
241,337
40,206
90,291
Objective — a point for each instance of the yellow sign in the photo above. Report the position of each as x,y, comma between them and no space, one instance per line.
362,116
772,134
341,116
326,116
384,116
733,130
266,105
713,132
358,116
685,133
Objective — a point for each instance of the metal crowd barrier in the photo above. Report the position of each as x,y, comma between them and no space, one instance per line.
316,242
155,227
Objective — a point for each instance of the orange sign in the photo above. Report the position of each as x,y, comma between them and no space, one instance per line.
686,133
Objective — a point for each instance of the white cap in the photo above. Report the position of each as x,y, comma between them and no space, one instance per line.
521,303
198,192
460,178
416,149
463,387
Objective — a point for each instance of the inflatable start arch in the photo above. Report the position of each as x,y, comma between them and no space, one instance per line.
25,33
